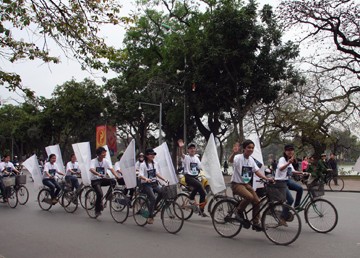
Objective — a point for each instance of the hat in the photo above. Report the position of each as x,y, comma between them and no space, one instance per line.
150,151
191,144
324,154
141,154
289,147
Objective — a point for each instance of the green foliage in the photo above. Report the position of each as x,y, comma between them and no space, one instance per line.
72,25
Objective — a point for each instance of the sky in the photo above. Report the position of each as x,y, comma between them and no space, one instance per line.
43,77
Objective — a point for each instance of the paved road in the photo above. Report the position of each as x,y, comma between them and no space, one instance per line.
29,232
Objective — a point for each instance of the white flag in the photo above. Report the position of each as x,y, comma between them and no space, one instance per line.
55,149
32,165
83,156
211,166
166,165
257,154
127,165
108,157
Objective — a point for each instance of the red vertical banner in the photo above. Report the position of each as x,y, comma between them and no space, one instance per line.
111,139
100,136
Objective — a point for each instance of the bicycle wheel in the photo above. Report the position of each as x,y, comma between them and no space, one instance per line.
214,199
140,211
82,195
44,199
321,215
183,200
12,197
336,184
69,201
22,195
223,218
172,217
90,198
281,223
119,207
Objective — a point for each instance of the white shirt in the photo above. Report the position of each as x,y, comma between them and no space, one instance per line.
1,168
285,173
72,166
100,167
149,171
244,169
117,168
192,165
52,169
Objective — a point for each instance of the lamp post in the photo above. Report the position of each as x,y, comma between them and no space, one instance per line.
167,27
160,117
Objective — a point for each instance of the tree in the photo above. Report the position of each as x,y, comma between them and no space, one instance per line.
331,29
73,25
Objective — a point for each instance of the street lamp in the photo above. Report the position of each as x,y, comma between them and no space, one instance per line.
160,116
167,27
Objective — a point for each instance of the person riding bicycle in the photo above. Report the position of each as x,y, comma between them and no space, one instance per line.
192,167
322,166
98,168
149,172
241,182
284,172
2,186
50,170
72,170
121,180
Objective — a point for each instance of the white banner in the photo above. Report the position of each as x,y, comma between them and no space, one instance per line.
83,156
356,167
127,166
32,165
108,157
55,149
211,166
166,165
257,154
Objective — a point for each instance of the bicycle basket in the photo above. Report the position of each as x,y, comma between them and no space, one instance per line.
20,180
276,192
8,181
317,190
169,192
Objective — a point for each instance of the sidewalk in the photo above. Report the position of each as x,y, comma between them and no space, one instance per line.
351,183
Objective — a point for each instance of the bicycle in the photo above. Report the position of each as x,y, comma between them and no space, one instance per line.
67,198
9,184
320,214
184,201
280,222
21,190
334,182
119,203
172,216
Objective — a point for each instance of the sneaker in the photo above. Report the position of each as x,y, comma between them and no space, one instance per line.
97,214
54,201
150,221
192,202
203,214
282,222
257,227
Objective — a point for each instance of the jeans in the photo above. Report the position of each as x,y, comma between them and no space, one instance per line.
249,196
97,184
197,188
292,185
73,180
52,184
149,190
2,188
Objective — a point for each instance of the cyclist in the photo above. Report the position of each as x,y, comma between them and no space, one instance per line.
149,172
192,166
98,168
283,173
8,166
2,187
50,170
241,182
121,181
72,170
